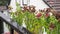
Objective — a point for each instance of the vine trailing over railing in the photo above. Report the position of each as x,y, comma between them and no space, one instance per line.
35,22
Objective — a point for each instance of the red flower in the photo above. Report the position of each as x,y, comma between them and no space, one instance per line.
47,14
38,15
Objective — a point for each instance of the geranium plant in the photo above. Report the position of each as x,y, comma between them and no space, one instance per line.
35,23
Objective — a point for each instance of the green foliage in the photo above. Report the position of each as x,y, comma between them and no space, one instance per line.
18,15
34,24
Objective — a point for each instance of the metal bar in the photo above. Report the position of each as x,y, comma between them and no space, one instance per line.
14,24
47,4
1,27
11,30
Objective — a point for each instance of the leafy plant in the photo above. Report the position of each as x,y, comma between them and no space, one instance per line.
34,23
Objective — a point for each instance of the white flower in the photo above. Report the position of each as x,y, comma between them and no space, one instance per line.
50,13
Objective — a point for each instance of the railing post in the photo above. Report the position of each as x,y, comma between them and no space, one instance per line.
1,27
11,30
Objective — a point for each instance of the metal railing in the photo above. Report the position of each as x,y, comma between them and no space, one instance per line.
13,25
47,4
